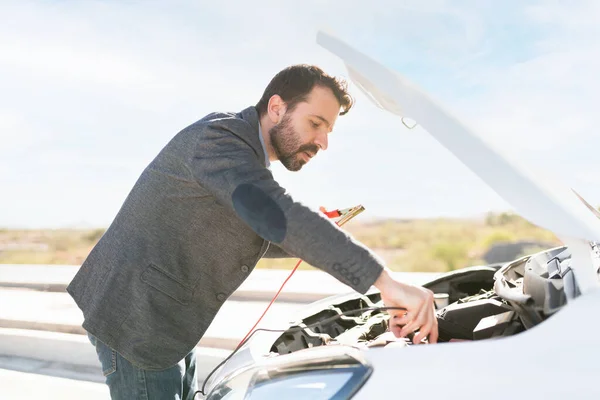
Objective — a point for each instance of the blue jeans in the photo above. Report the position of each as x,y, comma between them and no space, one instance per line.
127,381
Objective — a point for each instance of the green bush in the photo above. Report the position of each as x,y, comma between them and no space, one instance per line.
453,255
499,236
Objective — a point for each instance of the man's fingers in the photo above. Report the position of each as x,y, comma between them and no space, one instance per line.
397,321
423,332
413,325
424,329
433,335
401,319
429,329
395,329
423,322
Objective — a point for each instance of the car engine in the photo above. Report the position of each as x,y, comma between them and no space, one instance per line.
476,303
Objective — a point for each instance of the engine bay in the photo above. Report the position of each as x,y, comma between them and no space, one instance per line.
476,303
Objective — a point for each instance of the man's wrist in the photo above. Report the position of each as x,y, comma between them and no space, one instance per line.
384,280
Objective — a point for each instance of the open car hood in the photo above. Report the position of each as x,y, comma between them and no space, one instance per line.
542,202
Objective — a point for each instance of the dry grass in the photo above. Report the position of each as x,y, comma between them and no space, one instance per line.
61,246
406,245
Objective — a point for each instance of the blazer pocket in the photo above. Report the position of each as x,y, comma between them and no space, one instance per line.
167,284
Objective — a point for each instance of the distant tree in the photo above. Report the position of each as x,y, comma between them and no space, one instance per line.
94,236
503,218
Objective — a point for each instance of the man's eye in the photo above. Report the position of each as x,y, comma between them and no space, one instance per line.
314,124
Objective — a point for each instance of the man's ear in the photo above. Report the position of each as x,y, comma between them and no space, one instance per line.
276,109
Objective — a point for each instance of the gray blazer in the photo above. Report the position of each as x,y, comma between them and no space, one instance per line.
194,225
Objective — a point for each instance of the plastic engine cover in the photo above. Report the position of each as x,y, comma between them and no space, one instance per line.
459,320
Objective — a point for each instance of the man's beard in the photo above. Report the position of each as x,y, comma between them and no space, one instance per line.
288,146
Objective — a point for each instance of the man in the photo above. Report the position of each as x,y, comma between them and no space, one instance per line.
197,221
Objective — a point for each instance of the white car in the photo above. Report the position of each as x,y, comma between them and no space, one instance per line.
527,329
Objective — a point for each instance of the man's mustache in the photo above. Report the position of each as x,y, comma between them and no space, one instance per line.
310,148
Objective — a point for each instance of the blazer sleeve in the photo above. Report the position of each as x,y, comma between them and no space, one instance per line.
229,168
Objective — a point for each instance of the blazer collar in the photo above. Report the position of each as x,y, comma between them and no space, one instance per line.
250,115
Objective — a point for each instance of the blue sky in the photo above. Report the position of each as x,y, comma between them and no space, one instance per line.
91,91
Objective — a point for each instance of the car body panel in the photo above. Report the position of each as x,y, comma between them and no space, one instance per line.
557,359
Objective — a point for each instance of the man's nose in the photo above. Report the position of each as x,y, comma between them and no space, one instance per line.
322,140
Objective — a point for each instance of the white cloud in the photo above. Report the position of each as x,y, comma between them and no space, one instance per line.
14,132
546,102
93,90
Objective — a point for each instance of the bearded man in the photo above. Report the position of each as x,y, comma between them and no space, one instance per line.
197,221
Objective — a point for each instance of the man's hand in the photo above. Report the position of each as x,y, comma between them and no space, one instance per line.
419,305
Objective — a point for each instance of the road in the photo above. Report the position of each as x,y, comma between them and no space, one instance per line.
46,313
23,385
54,311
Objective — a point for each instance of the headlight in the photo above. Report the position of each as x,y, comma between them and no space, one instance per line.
320,373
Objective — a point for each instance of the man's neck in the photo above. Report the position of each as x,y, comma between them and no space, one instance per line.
265,127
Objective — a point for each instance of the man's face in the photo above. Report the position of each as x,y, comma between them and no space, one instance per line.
302,132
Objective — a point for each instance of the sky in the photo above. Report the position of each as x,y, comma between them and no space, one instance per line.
93,90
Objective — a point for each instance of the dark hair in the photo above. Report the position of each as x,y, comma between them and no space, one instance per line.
294,83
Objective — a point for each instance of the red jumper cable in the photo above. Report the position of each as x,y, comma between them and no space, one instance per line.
344,216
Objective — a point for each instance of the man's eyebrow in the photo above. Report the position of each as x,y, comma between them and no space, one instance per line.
322,119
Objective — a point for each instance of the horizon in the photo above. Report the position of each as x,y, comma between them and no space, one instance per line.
361,219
